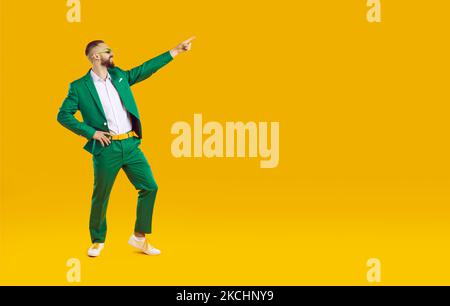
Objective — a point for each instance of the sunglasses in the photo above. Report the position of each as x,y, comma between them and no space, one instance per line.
107,50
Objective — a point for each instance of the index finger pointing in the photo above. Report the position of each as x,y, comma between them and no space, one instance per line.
190,39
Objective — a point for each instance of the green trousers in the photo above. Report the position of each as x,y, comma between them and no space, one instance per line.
121,154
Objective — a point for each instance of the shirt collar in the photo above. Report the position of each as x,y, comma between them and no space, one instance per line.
96,78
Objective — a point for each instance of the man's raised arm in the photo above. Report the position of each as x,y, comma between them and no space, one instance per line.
142,72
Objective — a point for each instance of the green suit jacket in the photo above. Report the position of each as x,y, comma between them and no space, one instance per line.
83,96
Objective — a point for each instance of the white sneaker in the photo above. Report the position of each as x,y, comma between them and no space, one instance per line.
143,245
95,249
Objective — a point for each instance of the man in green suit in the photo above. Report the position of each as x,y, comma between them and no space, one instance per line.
112,125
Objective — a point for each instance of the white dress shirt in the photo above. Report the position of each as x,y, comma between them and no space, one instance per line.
117,116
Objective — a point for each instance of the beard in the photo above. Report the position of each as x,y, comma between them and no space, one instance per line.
108,63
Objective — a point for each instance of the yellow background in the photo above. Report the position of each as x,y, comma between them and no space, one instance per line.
364,168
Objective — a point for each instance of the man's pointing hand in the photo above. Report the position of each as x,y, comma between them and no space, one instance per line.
182,47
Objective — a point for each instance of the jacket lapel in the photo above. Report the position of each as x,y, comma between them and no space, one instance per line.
90,85
117,82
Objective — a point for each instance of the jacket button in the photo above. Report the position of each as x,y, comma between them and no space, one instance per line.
104,123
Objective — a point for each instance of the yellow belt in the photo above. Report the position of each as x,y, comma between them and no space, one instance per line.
124,136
